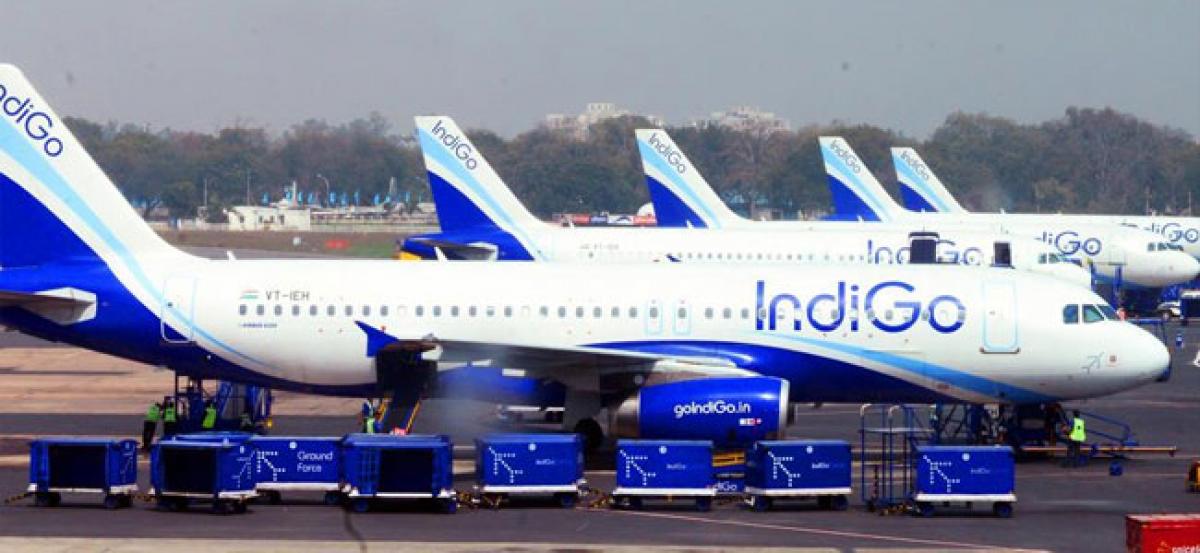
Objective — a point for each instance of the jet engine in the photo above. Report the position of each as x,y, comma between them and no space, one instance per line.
732,412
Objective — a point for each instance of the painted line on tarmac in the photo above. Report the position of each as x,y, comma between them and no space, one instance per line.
817,531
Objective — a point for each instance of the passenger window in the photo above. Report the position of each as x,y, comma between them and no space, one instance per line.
419,310
708,312
562,312
508,311
260,310
242,309
383,311
330,311
579,312
653,312
616,312
312,310
726,313
471,311
1091,314
1071,314
437,311
745,313
453,310
681,313
349,311
278,310
491,311
597,312
296,310
366,311
632,312
544,311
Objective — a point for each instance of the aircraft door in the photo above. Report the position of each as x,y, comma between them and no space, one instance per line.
177,317
1000,318
654,317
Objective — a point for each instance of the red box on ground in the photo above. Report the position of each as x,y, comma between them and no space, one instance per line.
1163,533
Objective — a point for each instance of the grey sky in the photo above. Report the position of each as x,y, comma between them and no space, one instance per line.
503,65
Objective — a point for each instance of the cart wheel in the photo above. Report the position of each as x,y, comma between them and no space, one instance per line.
839,503
449,506
112,501
126,501
567,500
1002,509
633,503
43,499
871,506
825,502
239,508
221,507
760,503
274,497
704,504
360,505
925,509
333,498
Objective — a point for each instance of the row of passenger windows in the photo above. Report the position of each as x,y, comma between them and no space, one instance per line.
544,311
1163,247
765,256
1090,313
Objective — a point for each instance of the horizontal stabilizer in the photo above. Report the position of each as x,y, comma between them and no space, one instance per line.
61,305
479,251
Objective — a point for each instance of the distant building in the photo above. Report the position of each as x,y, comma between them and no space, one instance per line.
273,217
577,125
746,119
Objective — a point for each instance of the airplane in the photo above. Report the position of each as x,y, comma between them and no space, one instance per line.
683,198
701,351
482,219
1123,256
922,190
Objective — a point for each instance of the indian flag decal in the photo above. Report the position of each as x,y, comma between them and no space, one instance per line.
250,294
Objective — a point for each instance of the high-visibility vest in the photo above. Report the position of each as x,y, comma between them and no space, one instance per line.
169,414
154,413
370,425
1078,434
210,417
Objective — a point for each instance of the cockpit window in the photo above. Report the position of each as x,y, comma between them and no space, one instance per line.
1071,314
1092,314
1109,313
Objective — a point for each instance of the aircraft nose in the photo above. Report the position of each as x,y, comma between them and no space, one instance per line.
1146,358
1187,265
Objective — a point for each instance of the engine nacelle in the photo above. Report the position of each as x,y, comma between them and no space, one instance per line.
732,412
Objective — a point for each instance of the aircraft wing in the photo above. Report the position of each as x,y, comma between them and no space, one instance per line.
544,359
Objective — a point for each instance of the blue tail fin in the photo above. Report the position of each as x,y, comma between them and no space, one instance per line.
681,196
470,196
920,189
856,194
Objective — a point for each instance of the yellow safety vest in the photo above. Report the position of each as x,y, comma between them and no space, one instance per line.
153,414
210,418
1078,434
169,414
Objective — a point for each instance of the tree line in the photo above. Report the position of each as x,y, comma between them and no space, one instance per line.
1088,161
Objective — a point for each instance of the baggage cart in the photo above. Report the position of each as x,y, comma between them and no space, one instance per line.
664,469
183,472
798,469
964,475
1162,532
508,465
385,467
297,464
83,465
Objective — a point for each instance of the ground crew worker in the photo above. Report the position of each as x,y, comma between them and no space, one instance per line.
210,416
246,424
1075,440
150,425
170,416
368,417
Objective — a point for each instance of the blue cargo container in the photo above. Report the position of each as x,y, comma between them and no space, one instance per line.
664,469
183,471
297,464
530,464
378,466
83,465
970,474
777,469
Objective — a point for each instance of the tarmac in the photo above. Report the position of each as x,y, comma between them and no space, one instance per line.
1058,509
